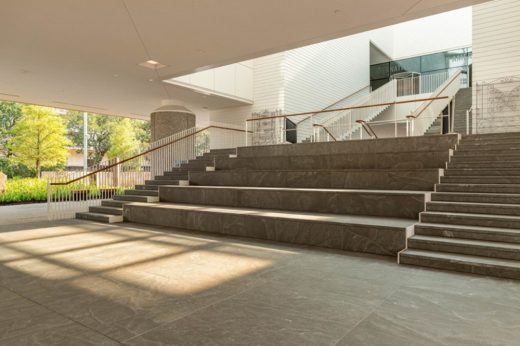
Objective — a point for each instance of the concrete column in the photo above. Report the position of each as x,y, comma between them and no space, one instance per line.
170,118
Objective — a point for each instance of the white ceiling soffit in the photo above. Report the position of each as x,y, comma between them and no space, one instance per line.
85,54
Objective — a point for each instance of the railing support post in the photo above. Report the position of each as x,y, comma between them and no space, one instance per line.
116,171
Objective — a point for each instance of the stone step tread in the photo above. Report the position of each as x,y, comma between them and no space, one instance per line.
467,228
147,187
465,259
298,189
346,170
142,192
481,194
478,185
476,197
106,210
161,182
471,204
288,215
113,203
485,153
472,215
482,176
483,169
135,198
468,242
106,218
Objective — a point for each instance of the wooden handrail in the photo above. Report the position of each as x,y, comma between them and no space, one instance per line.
147,152
367,128
352,107
411,116
326,130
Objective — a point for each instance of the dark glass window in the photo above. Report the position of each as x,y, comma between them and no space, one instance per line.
379,71
434,62
405,65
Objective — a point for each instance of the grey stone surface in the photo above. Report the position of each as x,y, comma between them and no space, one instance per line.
384,145
77,283
485,220
505,235
479,247
474,208
377,235
472,223
476,197
323,179
501,268
397,160
400,204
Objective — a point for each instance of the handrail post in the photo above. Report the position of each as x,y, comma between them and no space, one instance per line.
467,120
247,132
49,198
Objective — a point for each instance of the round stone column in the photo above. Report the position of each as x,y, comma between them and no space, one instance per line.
170,119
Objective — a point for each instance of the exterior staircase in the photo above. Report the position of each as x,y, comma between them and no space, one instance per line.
111,211
472,223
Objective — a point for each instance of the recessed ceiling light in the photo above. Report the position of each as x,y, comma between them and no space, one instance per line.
154,65
150,80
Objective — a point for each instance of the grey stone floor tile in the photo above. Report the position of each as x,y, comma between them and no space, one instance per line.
426,317
93,284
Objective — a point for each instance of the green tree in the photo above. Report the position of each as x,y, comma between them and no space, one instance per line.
143,132
99,128
39,139
10,113
123,140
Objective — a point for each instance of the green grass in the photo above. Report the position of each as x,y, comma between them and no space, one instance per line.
24,190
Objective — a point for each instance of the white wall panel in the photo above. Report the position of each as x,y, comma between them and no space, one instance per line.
496,40
319,75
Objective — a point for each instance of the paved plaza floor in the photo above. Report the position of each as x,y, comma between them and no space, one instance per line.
82,283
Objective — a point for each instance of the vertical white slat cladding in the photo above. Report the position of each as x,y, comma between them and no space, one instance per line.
496,40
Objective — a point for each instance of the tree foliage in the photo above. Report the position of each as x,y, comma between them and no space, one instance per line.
39,139
99,127
123,140
108,133
10,113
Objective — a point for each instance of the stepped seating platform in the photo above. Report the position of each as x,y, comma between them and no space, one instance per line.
472,223
359,196
377,235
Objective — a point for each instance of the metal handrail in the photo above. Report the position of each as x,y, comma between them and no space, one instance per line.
146,152
335,103
326,130
352,107
366,126
452,79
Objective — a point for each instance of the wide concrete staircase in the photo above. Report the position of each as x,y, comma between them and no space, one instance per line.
463,102
355,195
472,223
111,211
